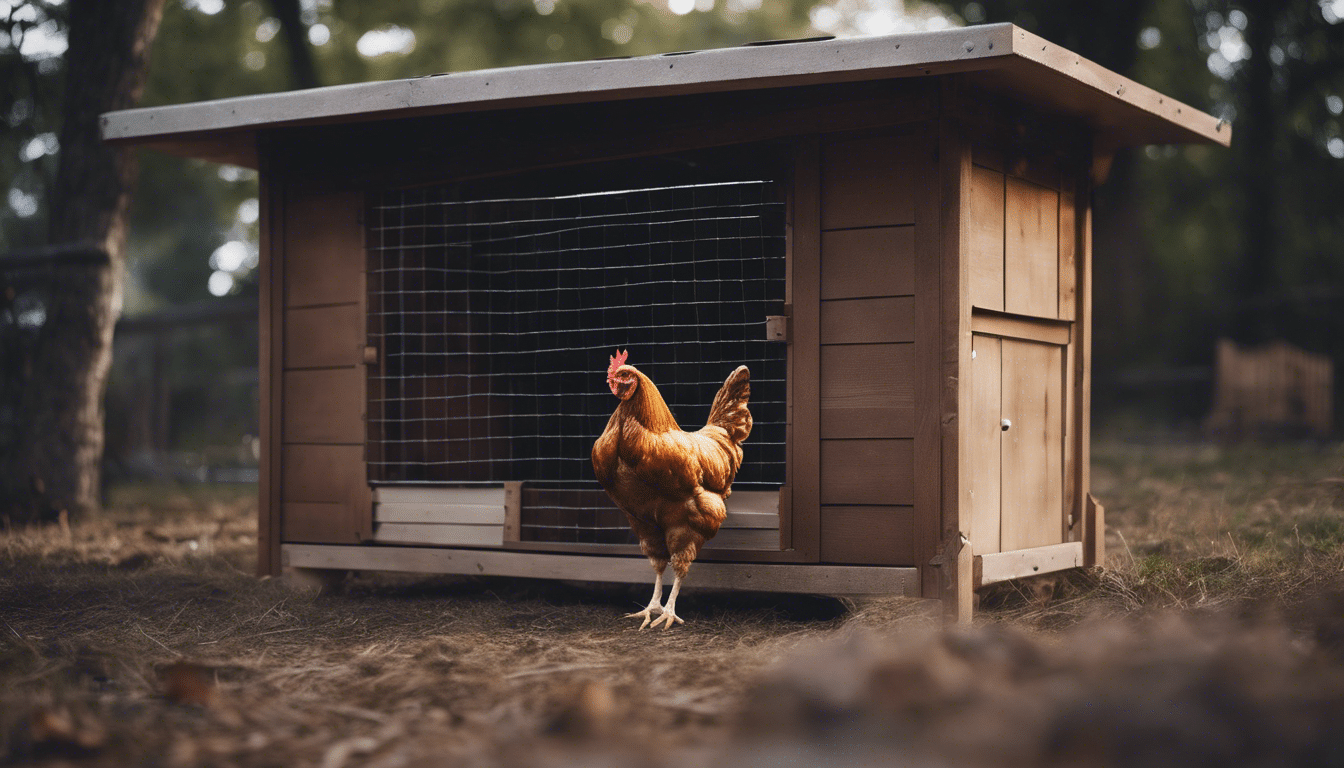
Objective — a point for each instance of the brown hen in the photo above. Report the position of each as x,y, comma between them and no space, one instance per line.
671,484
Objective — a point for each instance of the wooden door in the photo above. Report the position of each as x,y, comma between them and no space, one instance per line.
1017,450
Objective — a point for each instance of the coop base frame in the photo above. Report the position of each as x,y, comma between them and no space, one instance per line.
805,579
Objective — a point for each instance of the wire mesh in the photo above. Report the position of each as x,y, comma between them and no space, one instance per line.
495,318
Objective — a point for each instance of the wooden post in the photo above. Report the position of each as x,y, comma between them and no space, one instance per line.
954,157
271,287
1094,543
804,298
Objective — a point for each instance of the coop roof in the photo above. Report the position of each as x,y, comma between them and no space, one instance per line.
1002,57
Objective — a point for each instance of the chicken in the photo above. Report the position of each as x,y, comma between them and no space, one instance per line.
670,484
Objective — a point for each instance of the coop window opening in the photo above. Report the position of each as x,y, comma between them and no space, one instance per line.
495,315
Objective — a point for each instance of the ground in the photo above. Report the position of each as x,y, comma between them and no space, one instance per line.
1215,634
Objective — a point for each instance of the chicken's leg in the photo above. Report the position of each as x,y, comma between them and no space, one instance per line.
670,610
655,605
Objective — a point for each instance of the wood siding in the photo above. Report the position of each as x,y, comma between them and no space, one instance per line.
868,373
325,497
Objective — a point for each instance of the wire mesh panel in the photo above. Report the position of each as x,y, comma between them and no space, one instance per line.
495,318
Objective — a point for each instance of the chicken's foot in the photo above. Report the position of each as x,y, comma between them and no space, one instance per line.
669,610
655,605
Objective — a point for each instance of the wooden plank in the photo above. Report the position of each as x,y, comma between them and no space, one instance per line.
439,535
324,247
867,182
1023,328
868,321
1082,361
423,513
321,472
1020,563
324,337
767,554
869,535
492,495
986,232
317,522
929,341
513,510
1031,249
763,520
858,263
878,472
867,390
744,538
983,457
1032,503
1068,249
270,371
754,502
324,405
951,580
804,470
815,579
1094,546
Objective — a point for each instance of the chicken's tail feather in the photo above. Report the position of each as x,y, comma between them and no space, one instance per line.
730,405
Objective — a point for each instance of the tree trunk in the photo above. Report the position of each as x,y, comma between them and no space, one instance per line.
60,445
302,71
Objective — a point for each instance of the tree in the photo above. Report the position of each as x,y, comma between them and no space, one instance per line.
56,463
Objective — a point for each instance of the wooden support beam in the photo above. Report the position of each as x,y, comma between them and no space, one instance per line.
1019,563
808,579
1094,530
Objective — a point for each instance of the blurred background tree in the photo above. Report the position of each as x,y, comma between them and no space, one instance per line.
1191,243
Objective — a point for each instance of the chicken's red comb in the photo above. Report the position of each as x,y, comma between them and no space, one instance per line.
617,361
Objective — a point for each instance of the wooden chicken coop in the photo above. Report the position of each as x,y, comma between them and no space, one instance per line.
893,233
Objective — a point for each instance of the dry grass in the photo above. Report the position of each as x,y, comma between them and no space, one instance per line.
142,638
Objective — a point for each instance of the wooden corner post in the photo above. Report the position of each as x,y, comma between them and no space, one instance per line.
954,166
271,289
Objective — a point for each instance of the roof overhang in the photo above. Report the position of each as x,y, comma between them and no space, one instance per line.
1001,56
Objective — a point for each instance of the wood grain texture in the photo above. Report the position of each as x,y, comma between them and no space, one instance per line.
438,514
1023,328
324,247
1021,563
322,472
1068,249
324,337
950,580
1082,367
450,534
1094,545
879,472
857,263
867,182
929,341
324,405
317,522
868,535
490,495
868,321
867,390
1031,249
984,461
807,579
1032,503
805,254
986,231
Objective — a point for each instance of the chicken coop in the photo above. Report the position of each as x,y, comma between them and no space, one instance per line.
892,233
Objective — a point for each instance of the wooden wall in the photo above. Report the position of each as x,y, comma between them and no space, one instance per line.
869,185
319,394
1023,270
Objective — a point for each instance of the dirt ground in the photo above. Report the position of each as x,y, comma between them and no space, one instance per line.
1214,636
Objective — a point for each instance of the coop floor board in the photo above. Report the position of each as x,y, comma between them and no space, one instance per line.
816,579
